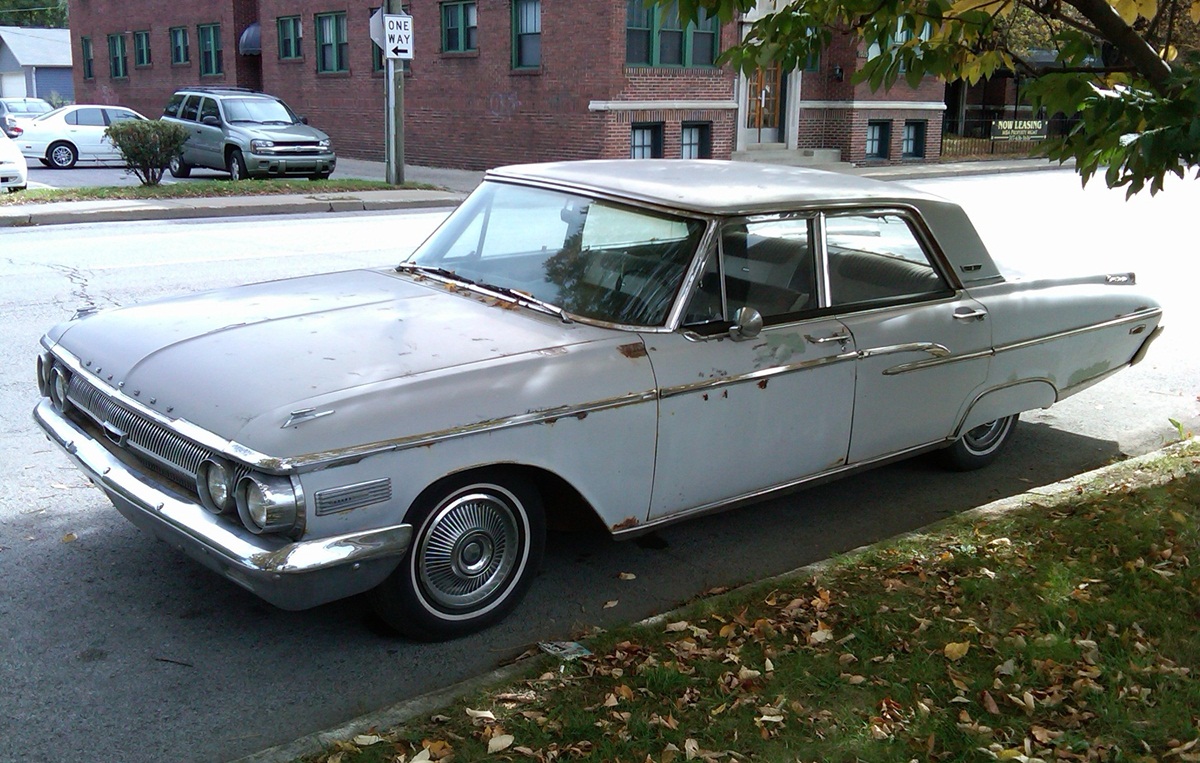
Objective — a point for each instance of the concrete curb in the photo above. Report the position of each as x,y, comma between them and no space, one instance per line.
1131,470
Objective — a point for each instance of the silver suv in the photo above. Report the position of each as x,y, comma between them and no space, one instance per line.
247,134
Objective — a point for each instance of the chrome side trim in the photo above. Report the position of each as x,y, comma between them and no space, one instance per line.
759,375
917,365
933,348
759,495
1140,315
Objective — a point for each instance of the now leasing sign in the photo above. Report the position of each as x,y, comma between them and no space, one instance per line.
398,36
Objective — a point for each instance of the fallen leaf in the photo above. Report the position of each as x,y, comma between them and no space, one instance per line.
421,757
627,576
611,604
366,740
852,679
481,715
989,704
956,650
678,627
70,538
498,743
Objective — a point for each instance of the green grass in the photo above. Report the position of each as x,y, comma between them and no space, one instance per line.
196,189
1061,633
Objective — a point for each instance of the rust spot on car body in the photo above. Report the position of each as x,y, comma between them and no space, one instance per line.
633,350
625,524
763,383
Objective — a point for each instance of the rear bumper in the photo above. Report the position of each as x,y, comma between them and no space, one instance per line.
290,575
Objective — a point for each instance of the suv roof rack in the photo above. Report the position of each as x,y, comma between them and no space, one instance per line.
221,89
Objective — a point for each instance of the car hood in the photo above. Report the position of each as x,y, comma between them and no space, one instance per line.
292,133
240,362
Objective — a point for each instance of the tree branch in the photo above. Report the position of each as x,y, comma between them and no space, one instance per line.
1111,27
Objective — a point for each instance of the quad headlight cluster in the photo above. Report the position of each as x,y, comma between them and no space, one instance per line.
265,503
53,381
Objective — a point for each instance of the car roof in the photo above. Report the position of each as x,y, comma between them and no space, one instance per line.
712,186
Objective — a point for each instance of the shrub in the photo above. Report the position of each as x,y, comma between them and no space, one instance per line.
147,146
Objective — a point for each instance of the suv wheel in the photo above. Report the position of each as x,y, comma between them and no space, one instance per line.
180,168
235,165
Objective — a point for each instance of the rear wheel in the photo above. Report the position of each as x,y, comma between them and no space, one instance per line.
978,447
235,164
62,155
180,168
477,543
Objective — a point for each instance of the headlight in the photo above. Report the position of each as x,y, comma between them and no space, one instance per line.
324,143
214,483
267,504
259,145
60,382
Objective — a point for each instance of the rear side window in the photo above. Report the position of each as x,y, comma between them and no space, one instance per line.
86,118
172,109
191,108
877,257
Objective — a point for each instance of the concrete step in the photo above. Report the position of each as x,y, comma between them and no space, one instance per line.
778,153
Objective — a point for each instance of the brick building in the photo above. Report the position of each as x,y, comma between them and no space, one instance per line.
499,81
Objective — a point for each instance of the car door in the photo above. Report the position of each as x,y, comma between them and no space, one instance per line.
210,138
739,416
188,115
108,151
923,345
85,128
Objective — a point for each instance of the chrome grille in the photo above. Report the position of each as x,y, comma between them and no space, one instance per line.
177,457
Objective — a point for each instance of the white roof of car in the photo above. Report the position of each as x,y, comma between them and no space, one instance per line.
712,187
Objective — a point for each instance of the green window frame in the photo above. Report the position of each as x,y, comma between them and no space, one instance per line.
85,51
118,63
291,38
656,36
527,34
179,45
211,62
460,27
333,48
141,48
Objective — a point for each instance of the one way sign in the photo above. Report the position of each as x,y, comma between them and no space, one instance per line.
397,36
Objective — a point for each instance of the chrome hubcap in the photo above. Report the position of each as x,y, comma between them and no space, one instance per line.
470,550
984,437
61,156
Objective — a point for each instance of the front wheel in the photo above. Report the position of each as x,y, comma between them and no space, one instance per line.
235,164
62,155
477,543
978,447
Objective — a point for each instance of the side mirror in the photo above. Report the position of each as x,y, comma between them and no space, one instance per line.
303,120
211,121
747,324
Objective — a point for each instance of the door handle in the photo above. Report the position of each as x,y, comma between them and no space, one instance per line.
827,339
969,314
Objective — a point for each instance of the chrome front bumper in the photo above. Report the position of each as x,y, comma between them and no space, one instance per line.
290,575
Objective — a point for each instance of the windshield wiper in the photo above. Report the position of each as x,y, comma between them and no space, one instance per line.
433,270
528,300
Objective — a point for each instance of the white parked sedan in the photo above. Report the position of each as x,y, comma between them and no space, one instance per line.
641,341
14,173
71,134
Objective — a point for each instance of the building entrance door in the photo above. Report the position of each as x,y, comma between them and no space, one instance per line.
764,105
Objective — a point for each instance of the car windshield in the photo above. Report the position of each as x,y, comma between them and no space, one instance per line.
29,108
592,258
261,110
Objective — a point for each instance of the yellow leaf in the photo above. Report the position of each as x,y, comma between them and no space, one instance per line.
956,650
1169,53
70,538
1194,11
1126,9
1147,8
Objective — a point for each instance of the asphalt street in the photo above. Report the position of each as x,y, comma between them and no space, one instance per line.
119,648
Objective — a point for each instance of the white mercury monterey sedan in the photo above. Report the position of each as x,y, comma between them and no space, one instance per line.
576,336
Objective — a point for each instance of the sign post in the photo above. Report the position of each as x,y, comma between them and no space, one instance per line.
394,36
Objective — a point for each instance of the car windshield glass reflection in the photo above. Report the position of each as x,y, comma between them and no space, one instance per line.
261,110
594,259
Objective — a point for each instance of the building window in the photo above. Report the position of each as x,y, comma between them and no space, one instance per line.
655,37
290,38
913,145
117,63
141,48
696,140
459,27
879,134
85,50
211,62
527,33
332,48
646,141
179,46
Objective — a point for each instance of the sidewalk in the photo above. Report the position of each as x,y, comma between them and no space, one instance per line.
457,183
